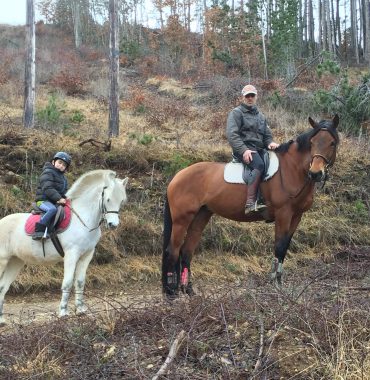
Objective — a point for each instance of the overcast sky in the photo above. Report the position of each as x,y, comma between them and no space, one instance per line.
13,12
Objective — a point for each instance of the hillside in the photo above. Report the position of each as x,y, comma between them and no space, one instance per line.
240,326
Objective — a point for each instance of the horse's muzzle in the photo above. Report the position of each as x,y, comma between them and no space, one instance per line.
317,176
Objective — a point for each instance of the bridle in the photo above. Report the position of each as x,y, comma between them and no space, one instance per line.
328,164
103,211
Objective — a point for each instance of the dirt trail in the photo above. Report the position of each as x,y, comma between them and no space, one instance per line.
35,308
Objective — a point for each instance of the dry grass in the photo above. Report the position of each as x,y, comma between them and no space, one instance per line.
316,328
340,214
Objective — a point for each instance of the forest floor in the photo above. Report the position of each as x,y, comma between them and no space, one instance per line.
316,327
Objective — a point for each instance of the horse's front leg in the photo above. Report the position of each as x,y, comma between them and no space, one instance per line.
285,226
9,270
80,277
70,262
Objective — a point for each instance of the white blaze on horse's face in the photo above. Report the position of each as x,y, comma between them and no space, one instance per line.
114,196
323,147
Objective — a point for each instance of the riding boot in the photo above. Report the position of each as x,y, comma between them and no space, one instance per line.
39,231
251,204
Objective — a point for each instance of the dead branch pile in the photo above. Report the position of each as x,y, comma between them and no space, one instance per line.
316,328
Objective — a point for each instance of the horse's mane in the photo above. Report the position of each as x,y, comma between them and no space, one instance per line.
304,138
86,181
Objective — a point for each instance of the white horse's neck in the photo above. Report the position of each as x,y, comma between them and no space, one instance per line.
86,196
89,206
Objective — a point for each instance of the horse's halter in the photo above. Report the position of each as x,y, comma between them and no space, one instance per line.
103,211
328,162
103,208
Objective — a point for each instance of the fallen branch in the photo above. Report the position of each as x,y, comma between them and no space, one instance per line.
305,67
171,355
106,145
227,334
259,361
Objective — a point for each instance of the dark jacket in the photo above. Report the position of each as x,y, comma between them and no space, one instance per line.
247,129
53,184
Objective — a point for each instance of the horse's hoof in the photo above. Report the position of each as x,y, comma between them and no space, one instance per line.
63,313
81,310
171,294
190,291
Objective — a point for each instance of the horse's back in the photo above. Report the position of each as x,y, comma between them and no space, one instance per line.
199,171
12,232
13,220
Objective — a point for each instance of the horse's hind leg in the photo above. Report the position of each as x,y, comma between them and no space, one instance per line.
80,276
191,242
70,262
9,270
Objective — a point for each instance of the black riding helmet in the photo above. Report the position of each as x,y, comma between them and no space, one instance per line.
64,157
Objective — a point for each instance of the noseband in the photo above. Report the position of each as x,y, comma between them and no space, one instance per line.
328,162
103,211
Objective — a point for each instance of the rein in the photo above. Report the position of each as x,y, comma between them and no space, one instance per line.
103,211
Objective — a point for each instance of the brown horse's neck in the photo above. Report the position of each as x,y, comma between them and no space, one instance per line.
294,166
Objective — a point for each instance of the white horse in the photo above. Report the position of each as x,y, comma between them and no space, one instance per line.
96,196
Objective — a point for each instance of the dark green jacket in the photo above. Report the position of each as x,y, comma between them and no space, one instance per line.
247,129
52,184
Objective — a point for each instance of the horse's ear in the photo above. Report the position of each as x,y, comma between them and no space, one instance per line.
124,182
335,120
112,174
312,122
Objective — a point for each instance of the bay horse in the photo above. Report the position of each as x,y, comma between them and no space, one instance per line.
199,191
95,197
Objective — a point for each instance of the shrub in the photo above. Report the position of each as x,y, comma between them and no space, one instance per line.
351,103
51,114
71,83
177,163
77,117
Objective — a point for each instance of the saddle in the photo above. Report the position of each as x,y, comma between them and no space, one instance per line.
237,172
60,222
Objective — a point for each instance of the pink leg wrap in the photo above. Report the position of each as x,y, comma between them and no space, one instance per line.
185,277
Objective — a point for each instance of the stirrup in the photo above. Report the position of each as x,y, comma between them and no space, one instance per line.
250,207
38,236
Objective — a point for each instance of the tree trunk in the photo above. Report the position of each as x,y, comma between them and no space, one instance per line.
365,10
367,30
30,68
324,25
329,28
338,32
311,29
333,26
354,40
76,22
113,70
320,26
264,52
304,32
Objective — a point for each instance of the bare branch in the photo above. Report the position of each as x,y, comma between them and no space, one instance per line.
171,355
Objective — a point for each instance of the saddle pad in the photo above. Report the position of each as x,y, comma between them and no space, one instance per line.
233,172
35,218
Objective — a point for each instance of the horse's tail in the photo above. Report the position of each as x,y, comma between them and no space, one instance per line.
167,231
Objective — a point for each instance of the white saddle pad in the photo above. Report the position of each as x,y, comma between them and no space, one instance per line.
233,172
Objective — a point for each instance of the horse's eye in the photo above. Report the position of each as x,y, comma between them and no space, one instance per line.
332,143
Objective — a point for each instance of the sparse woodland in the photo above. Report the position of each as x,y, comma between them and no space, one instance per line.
177,85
